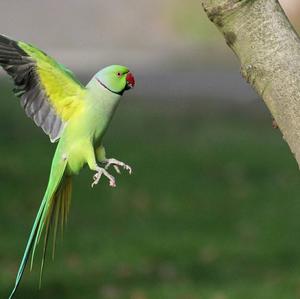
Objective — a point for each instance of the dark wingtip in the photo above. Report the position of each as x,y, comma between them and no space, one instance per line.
6,40
9,44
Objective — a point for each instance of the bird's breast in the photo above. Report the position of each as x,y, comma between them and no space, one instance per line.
77,153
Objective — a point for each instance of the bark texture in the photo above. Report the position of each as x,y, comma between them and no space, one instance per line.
260,34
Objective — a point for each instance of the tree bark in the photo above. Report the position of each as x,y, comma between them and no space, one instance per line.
260,34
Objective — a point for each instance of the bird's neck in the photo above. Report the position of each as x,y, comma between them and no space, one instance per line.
102,105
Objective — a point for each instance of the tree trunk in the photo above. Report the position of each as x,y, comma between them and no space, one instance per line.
260,34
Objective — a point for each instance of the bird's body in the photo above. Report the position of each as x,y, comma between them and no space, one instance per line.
75,115
84,133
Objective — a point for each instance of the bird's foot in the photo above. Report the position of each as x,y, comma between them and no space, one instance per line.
102,171
116,164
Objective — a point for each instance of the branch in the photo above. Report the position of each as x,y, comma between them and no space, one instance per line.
261,36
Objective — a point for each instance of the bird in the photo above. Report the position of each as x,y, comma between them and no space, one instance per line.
76,116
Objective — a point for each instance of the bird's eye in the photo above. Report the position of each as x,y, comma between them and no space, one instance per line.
119,74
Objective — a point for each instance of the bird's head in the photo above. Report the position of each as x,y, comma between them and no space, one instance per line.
115,78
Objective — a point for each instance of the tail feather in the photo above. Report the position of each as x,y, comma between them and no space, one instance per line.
55,205
56,219
27,249
62,196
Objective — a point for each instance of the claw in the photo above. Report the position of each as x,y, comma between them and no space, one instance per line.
115,163
97,176
117,169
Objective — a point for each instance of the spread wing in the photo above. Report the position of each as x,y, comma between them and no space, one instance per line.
48,92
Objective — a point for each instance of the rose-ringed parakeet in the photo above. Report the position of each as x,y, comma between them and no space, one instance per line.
67,111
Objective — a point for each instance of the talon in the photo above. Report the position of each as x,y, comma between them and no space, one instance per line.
115,163
101,171
117,169
128,168
112,184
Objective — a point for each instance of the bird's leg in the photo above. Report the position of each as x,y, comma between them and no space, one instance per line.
116,164
102,171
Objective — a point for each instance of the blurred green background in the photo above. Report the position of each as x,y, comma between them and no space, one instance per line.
212,208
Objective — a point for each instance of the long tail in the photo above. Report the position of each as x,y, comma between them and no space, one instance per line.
55,205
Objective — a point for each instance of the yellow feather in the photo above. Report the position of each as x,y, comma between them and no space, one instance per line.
65,93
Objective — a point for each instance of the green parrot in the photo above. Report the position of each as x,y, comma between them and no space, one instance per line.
67,111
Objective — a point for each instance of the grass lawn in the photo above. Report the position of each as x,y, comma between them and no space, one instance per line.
211,211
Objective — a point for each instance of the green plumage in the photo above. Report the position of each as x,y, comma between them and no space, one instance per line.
78,116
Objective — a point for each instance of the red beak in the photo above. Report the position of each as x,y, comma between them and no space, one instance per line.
130,80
